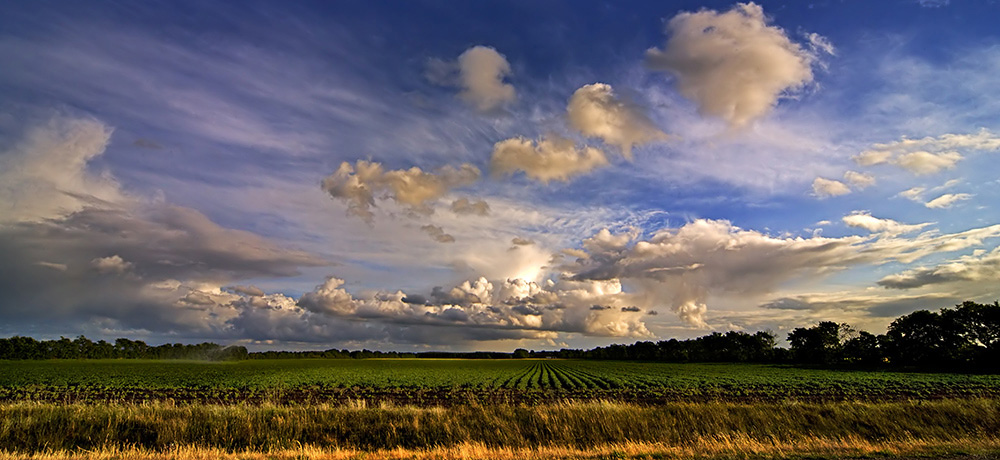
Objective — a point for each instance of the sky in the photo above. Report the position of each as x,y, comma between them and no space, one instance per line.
438,175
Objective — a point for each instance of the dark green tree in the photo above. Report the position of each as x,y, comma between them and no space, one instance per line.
819,344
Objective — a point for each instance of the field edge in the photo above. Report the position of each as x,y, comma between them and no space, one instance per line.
708,449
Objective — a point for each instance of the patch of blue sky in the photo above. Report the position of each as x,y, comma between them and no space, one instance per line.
240,109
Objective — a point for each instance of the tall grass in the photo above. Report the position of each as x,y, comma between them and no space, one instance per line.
27,428
815,449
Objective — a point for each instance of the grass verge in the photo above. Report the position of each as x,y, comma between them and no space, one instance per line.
709,449
567,430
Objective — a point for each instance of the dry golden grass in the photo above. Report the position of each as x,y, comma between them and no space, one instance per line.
723,447
592,430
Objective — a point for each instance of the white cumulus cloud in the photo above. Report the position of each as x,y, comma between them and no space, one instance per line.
733,64
825,188
927,163
360,184
912,194
928,155
596,111
859,180
517,306
111,265
947,200
863,219
545,160
480,73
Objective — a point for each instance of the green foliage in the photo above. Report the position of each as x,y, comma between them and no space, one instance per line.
83,348
820,344
427,382
969,334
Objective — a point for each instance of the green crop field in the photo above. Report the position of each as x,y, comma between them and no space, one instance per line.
437,408
445,382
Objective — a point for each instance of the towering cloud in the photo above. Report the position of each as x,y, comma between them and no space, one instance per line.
545,160
358,185
596,111
77,248
685,267
329,297
45,175
733,64
682,267
514,305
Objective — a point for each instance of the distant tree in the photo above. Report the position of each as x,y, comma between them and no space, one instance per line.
520,353
63,349
968,335
863,349
25,348
918,339
103,350
979,328
819,344
643,351
130,349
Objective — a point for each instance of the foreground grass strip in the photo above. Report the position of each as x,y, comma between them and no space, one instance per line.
706,449
28,428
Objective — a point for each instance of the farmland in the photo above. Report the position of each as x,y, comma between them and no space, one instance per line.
428,382
303,408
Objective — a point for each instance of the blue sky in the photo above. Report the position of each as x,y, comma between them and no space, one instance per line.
492,175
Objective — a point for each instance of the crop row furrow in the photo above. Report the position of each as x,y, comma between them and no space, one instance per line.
592,381
560,374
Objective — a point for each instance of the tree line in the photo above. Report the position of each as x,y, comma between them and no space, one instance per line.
967,336
83,348
964,337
